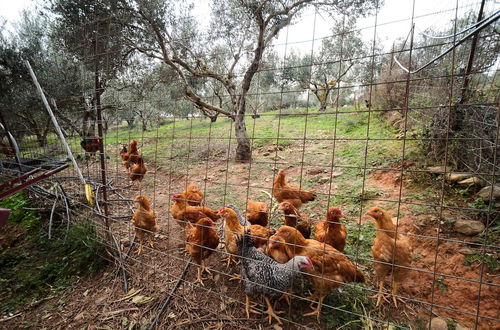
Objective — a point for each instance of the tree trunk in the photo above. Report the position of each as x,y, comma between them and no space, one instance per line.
144,125
243,149
130,123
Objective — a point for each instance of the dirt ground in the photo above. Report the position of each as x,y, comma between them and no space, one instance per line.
100,302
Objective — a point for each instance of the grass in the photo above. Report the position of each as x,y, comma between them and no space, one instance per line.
33,267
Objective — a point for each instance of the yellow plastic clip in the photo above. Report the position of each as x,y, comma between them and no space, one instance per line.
89,194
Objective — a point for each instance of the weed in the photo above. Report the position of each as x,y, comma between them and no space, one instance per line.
491,259
440,283
479,203
37,266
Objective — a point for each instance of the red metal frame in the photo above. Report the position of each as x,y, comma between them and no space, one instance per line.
28,183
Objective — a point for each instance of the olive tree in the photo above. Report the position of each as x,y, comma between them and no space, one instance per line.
243,28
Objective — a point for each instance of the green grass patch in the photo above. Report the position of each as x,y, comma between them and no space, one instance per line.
34,267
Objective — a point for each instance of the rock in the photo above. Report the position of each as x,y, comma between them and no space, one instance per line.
315,171
466,251
438,323
485,193
474,181
453,177
437,169
323,180
336,174
468,227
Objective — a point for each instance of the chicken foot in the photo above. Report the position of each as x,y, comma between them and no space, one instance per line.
230,259
139,249
271,313
236,277
199,278
150,240
393,293
317,310
380,295
248,309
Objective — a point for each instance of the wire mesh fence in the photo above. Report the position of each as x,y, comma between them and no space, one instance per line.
382,144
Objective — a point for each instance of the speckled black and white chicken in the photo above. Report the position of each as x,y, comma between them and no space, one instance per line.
263,275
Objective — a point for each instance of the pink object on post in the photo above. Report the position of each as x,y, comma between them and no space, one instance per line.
4,215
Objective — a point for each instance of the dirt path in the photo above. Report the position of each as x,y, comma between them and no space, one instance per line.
98,302
434,259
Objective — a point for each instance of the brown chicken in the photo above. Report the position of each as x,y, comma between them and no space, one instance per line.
182,211
193,195
233,227
124,157
144,221
331,231
90,144
295,219
202,239
293,194
133,153
257,213
331,268
391,253
137,171
276,249
6,150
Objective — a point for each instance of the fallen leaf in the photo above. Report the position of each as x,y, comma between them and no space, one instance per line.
172,315
79,316
141,300
86,292
129,295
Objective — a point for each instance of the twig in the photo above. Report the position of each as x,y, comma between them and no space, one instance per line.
169,297
10,317
52,214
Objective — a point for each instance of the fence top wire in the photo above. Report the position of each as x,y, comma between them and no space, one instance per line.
364,127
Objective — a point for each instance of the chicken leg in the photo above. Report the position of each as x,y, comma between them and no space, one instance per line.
139,235
271,313
380,295
199,278
204,268
248,309
230,259
393,293
150,240
317,311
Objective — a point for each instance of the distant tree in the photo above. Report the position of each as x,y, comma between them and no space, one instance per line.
89,30
244,29
321,73
59,77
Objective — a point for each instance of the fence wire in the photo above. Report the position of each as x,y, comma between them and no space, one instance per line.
423,147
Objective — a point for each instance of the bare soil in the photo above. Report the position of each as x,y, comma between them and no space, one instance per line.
99,302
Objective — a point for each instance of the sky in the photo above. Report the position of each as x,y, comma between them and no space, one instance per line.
394,21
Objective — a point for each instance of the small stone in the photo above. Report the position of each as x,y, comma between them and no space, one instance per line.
486,193
454,177
468,227
438,323
466,251
323,180
474,181
315,171
437,169
266,153
336,174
